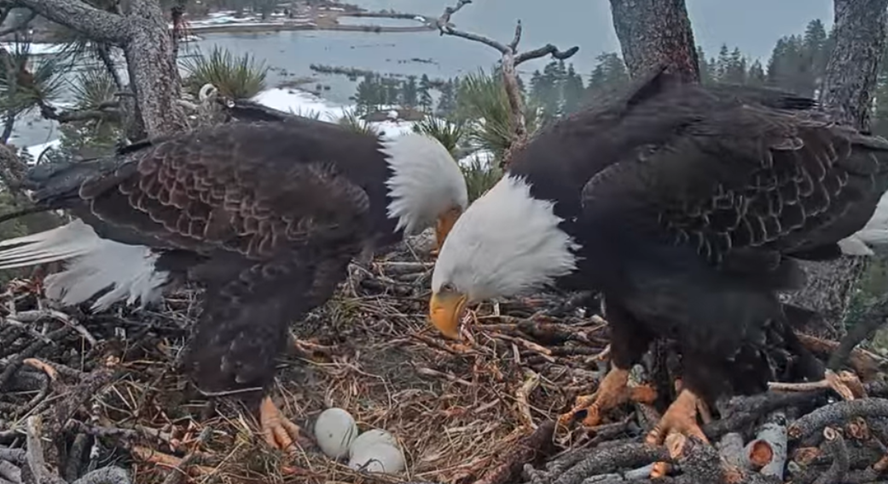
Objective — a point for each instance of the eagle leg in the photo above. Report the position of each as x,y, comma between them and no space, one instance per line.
612,391
680,417
277,430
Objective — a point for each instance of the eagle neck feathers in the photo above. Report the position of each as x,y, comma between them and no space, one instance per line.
425,181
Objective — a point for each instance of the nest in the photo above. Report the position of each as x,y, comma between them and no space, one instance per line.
101,398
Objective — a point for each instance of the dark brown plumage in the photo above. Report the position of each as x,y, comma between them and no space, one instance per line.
690,206
266,216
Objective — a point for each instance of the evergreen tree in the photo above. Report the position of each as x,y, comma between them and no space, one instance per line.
609,73
756,74
392,92
425,95
572,90
447,102
367,94
722,65
409,92
735,69
706,74
815,48
790,68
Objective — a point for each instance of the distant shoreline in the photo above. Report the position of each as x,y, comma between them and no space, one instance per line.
323,20
247,28
320,20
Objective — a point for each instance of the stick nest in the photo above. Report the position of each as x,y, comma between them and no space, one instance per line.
100,397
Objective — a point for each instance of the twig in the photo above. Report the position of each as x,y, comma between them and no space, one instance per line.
835,446
38,314
748,410
31,350
533,380
530,449
105,475
35,459
835,414
731,449
10,473
609,460
873,316
865,363
40,365
16,456
768,451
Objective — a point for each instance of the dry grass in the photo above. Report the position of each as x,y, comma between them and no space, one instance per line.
456,409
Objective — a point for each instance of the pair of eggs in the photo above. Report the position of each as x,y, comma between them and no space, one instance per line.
376,450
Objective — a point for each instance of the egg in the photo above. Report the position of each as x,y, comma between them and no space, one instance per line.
378,456
371,438
335,430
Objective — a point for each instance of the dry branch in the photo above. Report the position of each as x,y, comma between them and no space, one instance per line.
836,414
835,446
510,60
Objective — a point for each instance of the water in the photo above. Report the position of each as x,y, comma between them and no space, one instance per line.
754,26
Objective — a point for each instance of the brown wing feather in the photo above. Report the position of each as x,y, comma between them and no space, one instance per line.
211,190
745,185
243,326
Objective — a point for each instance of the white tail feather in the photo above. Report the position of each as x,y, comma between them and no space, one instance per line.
93,264
874,233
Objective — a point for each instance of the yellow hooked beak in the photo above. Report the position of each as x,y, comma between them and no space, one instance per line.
444,226
445,311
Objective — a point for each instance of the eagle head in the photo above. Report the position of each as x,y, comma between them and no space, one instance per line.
426,188
506,243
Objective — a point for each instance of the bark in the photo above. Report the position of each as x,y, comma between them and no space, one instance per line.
95,23
847,93
656,32
154,76
143,35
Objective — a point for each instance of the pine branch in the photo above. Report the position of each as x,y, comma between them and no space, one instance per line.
95,23
107,110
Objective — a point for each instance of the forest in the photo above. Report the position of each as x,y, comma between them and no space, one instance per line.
797,63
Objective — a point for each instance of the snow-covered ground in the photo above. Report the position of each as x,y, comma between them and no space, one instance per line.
307,104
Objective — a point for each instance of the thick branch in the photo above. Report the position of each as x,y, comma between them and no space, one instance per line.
97,24
653,33
545,50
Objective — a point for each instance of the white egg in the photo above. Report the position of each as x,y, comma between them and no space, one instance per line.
334,430
371,438
377,457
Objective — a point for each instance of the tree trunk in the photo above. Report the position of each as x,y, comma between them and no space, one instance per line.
154,75
847,93
144,36
656,32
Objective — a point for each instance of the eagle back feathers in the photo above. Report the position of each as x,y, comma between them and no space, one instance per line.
741,184
217,190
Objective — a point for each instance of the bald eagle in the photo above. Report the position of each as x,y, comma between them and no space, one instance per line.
686,207
265,215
